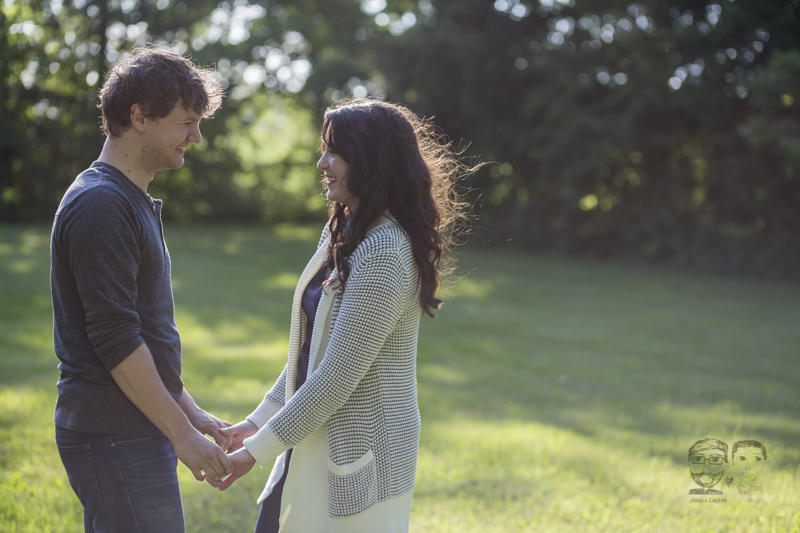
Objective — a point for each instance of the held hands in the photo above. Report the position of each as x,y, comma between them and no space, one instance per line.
210,425
205,459
238,433
242,463
240,458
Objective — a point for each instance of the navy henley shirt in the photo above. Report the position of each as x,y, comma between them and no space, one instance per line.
110,283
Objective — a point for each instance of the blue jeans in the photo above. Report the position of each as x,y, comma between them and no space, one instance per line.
126,483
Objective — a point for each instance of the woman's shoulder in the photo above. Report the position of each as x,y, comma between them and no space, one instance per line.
386,237
325,235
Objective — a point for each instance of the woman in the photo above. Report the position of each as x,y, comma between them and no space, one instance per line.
341,424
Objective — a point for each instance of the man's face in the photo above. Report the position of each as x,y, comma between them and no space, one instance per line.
167,138
707,467
748,463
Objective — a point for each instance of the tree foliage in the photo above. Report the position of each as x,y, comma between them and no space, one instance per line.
657,130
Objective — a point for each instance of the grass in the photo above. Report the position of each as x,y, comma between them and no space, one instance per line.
555,395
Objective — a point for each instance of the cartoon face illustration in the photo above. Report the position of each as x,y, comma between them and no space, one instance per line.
707,459
749,458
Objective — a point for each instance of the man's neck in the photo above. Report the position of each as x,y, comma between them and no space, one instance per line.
124,157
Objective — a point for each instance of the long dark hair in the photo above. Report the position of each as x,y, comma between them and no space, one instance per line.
398,163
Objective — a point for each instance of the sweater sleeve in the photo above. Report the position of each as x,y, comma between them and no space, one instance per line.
104,257
272,403
372,304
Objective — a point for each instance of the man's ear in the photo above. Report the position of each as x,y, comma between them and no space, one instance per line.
137,117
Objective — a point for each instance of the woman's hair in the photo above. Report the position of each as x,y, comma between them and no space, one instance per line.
398,163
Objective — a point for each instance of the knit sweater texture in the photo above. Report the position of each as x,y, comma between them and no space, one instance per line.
361,388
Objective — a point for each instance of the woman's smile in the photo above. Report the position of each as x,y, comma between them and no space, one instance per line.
335,169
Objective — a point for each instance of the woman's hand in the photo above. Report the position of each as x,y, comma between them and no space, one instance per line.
237,433
242,463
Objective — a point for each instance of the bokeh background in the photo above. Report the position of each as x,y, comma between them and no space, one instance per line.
657,131
631,284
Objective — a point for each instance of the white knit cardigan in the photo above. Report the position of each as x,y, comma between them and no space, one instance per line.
360,392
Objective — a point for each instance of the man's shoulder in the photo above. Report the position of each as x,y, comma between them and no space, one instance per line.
94,188
99,181
95,200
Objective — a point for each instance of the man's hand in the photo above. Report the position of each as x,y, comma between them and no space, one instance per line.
238,433
138,379
204,422
208,424
242,463
201,455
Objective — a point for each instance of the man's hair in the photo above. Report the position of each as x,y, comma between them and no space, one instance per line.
749,444
709,444
157,80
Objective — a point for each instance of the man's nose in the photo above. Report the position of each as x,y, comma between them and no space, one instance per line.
195,136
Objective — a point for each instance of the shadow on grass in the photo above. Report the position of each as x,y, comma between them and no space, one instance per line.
637,358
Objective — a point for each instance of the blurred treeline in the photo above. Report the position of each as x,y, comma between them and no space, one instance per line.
655,131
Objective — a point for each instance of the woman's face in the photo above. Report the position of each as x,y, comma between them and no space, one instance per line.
335,169
748,463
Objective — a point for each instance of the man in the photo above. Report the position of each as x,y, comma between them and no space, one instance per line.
707,458
123,417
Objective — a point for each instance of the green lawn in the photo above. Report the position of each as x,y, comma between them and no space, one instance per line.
555,395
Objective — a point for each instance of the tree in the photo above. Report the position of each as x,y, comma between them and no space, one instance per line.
622,130
658,130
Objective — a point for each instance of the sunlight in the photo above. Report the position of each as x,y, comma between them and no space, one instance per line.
283,280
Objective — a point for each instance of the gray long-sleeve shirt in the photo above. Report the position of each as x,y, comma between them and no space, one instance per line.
110,282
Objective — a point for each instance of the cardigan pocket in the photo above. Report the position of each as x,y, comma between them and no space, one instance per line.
353,487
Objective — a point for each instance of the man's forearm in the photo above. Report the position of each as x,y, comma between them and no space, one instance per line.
188,405
138,378
204,422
